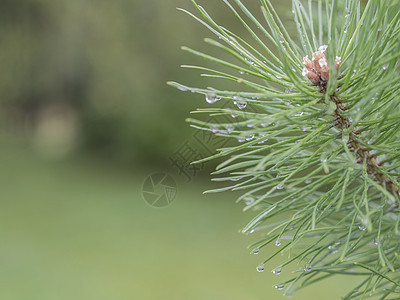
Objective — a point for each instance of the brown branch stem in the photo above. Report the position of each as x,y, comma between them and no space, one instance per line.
363,154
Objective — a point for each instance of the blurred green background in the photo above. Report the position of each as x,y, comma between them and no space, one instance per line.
86,116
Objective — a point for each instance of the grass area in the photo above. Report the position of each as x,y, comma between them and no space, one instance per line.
79,229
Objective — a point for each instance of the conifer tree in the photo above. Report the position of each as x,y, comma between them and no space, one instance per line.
318,155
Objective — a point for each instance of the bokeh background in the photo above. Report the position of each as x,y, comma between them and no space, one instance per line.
86,115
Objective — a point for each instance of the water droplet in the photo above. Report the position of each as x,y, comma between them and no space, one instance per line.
279,287
251,230
256,251
355,70
305,71
234,115
181,88
241,139
250,137
250,125
229,128
322,62
265,123
307,268
308,181
384,68
323,48
214,128
277,271
212,98
282,41
241,72
241,104
262,134
362,227
299,114
260,268
249,200
376,242
278,243
280,187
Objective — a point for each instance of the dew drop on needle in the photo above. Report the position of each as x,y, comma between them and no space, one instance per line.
212,98
277,271
260,268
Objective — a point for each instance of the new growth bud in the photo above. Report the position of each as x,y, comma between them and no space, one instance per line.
317,69
308,63
311,75
321,65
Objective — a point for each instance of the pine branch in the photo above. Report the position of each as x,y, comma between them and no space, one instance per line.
317,71
362,153
318,157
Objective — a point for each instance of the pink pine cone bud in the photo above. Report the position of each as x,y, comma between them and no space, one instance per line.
317,69
321,65
311,75
308,63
